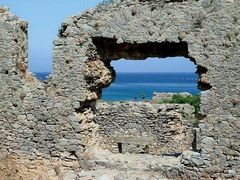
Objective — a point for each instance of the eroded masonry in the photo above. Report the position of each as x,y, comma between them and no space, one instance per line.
55,130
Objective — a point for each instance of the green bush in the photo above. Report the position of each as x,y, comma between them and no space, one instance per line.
192,100
180,99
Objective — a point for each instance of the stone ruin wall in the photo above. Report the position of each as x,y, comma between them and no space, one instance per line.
38,131
160,97
161,128
208,30
53,123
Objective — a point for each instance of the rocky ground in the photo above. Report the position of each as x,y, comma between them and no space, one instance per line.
97,164
108,166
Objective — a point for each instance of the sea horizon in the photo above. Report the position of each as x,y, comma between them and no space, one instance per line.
125,72
129,86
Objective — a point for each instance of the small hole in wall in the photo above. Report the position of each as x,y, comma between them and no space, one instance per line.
134,12
62,31
194,142
15,105
67,62
6,72
153,8
120,150
73,153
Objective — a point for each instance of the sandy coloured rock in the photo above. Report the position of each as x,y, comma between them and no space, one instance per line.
42,122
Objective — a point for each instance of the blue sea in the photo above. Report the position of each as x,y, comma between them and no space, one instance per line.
41,75
131,86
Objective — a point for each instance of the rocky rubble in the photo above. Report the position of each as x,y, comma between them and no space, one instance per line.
49,120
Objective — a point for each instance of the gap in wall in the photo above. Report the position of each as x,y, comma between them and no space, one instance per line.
131,123
137,80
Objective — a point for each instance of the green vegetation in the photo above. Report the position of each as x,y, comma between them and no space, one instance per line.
180,99
195,121
192,100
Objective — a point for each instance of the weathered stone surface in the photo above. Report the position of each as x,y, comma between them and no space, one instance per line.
159,97
142,127
47,119
33,123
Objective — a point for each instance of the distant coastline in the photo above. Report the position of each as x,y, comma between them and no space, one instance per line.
141,85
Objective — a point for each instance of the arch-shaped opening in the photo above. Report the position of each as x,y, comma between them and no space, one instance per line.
143,128
109,50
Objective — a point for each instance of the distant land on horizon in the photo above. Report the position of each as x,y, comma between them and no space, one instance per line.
130,85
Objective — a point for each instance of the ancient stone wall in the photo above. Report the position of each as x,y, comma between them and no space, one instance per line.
141,127
13,49
33,124
207,32
52,119
160,97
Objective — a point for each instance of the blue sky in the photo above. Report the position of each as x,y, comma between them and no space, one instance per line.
45,18
176,64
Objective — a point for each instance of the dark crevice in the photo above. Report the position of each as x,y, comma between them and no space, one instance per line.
62,30
173,154
204,86
24,28
194,142
120,147
109,49
153,8
134,12
67,62
15,105
73,153
85,105
201,116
